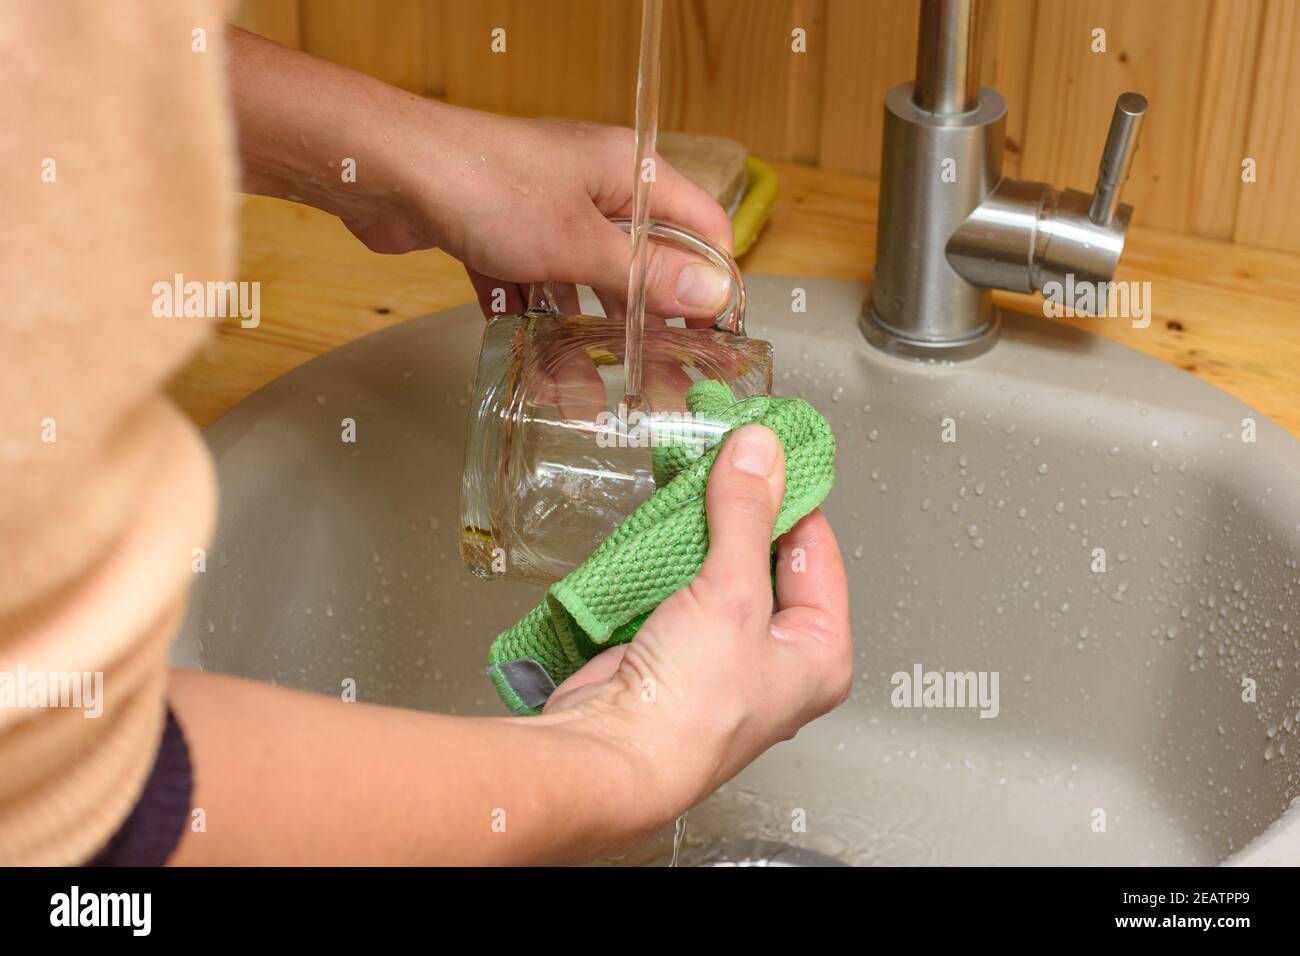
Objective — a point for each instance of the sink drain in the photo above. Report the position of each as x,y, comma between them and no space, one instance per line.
753,853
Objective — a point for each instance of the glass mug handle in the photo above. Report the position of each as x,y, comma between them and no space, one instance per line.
541,296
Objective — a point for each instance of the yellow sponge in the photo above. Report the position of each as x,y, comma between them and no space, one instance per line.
756,206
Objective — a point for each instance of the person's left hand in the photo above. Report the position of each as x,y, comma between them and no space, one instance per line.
724,668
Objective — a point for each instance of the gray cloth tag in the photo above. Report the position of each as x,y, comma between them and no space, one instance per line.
527,678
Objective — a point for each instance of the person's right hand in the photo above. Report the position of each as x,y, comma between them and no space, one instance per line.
720,672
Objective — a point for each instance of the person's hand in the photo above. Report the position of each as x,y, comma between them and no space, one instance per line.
720,671
517,200
525,200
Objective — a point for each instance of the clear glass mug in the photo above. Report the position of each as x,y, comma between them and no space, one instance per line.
553,460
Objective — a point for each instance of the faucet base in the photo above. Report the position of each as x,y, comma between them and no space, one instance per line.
896,342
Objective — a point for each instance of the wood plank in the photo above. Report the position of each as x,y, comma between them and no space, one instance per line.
433,46
1006,59
803,120
385,38
1227,98
728,69
274,19
1269,211
870,48
572,58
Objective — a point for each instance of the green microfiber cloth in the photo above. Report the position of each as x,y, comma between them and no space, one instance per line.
658,549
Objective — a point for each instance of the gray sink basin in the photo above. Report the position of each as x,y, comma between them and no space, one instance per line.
1125,729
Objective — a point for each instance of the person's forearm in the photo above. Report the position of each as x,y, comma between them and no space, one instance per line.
313,131
286,777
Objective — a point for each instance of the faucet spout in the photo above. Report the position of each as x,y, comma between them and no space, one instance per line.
947,57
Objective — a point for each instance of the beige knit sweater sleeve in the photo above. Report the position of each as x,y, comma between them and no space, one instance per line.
116,172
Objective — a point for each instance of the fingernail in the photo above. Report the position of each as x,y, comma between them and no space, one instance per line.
702,286
754,450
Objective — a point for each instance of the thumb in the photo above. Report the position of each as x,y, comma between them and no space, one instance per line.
744,494
677,282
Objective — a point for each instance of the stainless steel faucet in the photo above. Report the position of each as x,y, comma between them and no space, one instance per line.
952,227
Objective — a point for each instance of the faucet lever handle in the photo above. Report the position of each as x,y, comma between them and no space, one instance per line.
1117,157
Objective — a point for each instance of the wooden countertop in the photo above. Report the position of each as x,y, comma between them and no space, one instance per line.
1228,313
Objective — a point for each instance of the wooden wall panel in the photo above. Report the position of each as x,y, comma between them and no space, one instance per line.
385,38
1269,214
870,48
728,68
274,19
574,58
1231,64
1006,60
807,89
1221,76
